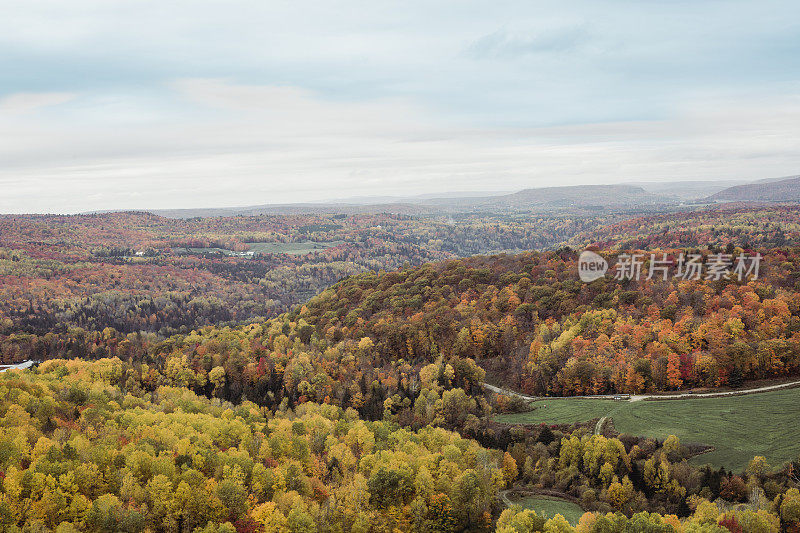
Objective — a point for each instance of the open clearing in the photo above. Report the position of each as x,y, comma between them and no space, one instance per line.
739,427
291,248
202,251
548,507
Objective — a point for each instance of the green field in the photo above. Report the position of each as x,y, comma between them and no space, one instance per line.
739,427
549,507
201,251
291,248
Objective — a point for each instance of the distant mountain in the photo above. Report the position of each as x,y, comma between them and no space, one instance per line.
356,205
294,209
629,197
545,199
770,190
415,199
687,190
582,196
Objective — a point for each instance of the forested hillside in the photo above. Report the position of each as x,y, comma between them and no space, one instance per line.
93,446
139,272
771,190
341,414
399,267
525,319
83,447
734,224
530,322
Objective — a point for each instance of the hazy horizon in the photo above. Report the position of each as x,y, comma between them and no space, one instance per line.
142,105
654,187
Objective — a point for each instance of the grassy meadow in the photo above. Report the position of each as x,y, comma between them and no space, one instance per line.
549,507
291,248
739,427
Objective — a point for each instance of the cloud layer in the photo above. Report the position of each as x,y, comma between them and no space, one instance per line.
145,105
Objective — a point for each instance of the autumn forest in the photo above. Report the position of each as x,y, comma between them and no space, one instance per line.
327,372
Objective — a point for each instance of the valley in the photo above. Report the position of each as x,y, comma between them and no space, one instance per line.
219,400
399,267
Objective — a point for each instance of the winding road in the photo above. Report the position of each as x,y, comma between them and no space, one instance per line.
651,397
18,366
598,428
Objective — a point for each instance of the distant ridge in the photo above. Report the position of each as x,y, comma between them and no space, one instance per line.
293,209
582,196
590,197
769,190
688,190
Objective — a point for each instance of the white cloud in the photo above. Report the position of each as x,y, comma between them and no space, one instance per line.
262,144
300,111
145,103
20,103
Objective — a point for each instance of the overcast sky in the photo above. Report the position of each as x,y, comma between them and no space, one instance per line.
115,104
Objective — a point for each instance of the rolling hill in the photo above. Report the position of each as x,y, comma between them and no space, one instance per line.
582,196
295,209
781,190
544,199
731,224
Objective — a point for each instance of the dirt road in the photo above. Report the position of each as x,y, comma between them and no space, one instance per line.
651,397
